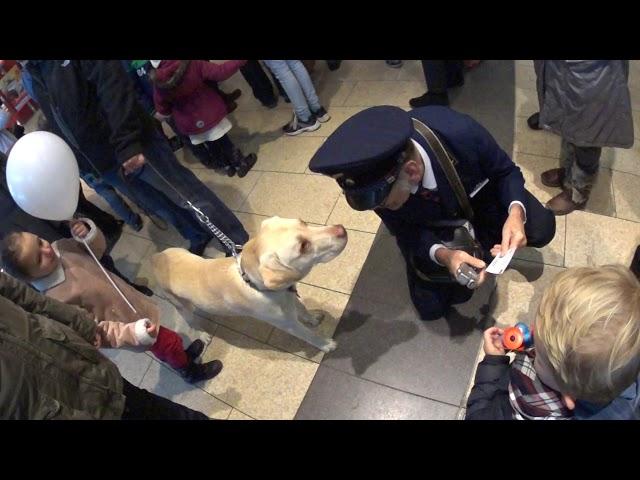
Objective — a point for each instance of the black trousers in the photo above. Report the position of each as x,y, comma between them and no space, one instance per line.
259,82
141,404
218,154
442,74
433,300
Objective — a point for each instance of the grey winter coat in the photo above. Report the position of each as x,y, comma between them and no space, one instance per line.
586,102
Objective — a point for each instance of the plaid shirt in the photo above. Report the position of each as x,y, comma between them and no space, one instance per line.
529,397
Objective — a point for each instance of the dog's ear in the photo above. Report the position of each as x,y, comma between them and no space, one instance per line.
275,275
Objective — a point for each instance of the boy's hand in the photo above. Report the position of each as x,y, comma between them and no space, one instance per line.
79,228
493,341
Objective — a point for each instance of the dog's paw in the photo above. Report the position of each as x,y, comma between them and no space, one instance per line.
330,346
316,317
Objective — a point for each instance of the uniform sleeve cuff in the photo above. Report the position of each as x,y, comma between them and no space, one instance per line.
517,202
432,253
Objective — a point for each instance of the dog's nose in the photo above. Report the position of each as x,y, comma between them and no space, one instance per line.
340,231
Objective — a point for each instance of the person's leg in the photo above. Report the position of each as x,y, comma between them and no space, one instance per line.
259,82
585,172
428,298
234,156
169,348
555,177
435,75
541,223
304,80
279,87
281,70
185,186
155,202
582,166
141,404
114,200
455,73
201,152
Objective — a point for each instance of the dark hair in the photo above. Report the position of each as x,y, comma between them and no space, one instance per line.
10,248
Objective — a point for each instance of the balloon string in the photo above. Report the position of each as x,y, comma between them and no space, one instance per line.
107,275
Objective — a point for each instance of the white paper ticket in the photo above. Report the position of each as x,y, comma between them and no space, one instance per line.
500,264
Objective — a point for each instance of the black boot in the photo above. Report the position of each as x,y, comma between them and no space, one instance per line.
246,164
430,98
534,121
194,350
197,372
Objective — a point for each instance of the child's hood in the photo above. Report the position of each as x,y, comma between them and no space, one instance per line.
170,72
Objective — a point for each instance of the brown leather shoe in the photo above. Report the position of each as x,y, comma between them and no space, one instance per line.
553,177
562,204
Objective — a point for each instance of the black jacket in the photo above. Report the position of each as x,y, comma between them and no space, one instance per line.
489,397
93,106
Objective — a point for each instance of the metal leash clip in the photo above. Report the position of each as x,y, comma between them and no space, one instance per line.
226,241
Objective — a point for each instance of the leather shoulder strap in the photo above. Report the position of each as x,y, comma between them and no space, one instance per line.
447,164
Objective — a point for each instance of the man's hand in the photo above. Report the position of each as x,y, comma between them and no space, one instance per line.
452,259
493,341
133,164
513,235
79,228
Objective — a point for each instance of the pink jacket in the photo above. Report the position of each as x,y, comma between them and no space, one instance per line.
182,89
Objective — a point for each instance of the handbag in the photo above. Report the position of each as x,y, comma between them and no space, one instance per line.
459,233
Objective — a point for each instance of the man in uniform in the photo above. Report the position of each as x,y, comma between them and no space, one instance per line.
383,162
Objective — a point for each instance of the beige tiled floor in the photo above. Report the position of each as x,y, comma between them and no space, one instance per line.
267,372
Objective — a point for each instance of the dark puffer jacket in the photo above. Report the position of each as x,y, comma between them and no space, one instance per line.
93,106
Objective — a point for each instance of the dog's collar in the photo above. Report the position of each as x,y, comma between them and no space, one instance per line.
248,281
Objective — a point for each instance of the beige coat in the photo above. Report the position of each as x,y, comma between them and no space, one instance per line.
86,286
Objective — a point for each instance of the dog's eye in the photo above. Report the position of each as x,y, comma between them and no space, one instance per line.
304,246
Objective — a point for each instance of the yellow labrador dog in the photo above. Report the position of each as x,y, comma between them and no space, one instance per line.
261,284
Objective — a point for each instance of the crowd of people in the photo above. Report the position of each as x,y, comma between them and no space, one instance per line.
425,173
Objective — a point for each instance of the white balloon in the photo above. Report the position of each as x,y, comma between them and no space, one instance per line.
43,177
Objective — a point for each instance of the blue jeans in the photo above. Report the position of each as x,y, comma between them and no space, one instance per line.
112,197
297,84
156,203
171,206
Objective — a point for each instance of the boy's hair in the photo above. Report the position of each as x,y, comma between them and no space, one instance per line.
589,324
10,249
